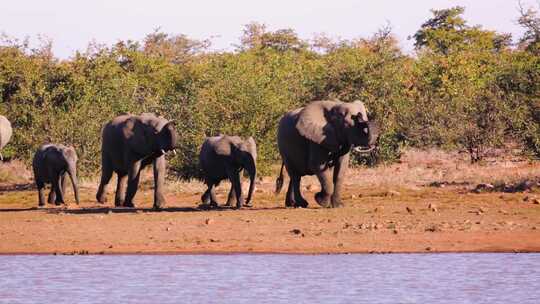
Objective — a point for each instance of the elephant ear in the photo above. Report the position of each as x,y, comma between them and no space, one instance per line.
316,123
359,109
70,153
137,136
252,146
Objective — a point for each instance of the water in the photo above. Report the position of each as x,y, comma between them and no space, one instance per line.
395,278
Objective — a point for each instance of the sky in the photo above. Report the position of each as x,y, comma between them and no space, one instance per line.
72,24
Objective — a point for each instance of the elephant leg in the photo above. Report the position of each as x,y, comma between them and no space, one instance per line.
289,197
231,198
57,187
213,197
52,196
41,192
106,175
134,174
205,198
209,196
120,195
160,170
299,201
340,170
318,158
234,177
327,188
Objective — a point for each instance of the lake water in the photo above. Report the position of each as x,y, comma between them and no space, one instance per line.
393,278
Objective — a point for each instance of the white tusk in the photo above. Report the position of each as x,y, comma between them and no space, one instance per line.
174,152
360,150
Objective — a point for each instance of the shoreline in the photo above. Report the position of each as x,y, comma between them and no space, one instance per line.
181,253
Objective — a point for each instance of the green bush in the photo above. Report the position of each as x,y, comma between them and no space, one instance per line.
464,88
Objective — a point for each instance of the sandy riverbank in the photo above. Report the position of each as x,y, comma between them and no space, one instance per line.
388,209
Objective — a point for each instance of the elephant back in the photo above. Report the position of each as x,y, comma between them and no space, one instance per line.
5,131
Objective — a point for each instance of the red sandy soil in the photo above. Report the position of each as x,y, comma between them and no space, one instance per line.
392,215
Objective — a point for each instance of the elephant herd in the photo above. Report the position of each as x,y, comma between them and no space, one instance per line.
313,140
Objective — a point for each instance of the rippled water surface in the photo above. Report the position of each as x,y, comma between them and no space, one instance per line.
395,278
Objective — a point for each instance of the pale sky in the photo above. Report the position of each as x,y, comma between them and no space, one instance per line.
72,24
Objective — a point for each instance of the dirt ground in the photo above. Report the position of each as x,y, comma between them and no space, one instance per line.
427,203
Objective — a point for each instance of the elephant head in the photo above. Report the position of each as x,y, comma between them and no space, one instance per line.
69,157
150,136
245,154
338,125
167,138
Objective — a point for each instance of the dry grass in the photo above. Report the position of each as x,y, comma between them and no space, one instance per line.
417,168
420,168
14,172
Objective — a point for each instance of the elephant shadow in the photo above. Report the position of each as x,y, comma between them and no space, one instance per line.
108,210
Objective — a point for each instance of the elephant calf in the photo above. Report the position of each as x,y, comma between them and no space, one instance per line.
224,157
51,164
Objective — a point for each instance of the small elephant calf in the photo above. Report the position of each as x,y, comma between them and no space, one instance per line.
51,164
223,157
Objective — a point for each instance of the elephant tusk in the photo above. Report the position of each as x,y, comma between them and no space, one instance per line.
174,152
360,150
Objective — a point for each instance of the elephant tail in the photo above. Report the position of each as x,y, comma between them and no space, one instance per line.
279,180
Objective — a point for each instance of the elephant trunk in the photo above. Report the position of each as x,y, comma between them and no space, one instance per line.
251,169
73,176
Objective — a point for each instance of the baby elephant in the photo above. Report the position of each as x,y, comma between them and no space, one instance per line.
51,164
224,157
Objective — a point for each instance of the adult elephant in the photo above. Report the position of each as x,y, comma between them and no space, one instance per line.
130,143
223,157
317,140
5,133
51,164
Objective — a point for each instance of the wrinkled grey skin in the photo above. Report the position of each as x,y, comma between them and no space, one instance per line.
5,133
317,140
223,157
130,143
51,164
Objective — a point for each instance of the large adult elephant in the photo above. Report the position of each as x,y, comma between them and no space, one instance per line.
51,164
223,157
317,140
130,143
5,133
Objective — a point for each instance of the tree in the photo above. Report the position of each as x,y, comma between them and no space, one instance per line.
530,21
175,48
256,36
448,32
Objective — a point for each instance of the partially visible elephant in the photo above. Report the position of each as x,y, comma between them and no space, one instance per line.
130,143
223,157
51,164
5,133
317,140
